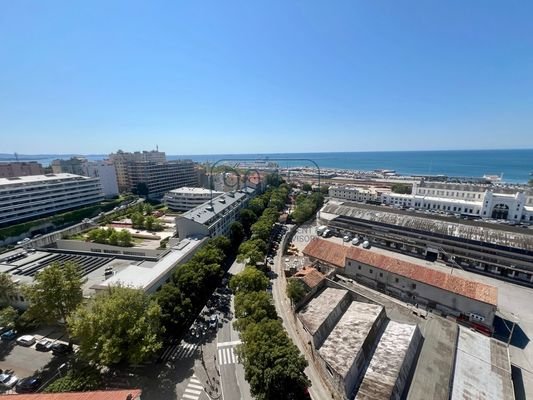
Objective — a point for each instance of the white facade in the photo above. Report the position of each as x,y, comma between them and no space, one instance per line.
496,202
28,197
104,170
187,198
355,193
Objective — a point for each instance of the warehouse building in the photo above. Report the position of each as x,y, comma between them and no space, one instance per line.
29,197
472,302
492,249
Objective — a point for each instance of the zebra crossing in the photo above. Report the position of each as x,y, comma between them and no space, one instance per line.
178,351
194,389
227,355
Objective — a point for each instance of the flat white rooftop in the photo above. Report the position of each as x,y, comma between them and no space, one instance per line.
345,342
145,275
193,190
482,368
39,178
314,313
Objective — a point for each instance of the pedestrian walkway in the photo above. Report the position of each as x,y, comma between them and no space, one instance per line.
226,355
194,389
178,351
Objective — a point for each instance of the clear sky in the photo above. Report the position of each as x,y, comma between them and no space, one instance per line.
202,77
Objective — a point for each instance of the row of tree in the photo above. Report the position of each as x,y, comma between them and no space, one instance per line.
306,206
191,285
111,236
273,365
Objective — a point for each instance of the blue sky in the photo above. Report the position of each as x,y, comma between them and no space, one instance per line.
205,77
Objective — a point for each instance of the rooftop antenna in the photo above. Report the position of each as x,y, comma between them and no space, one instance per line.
16,156
156,147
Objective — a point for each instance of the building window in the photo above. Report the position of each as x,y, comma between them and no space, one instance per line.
381,274
396,280
359,267
370,270
413,285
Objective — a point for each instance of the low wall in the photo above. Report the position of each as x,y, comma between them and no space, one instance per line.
89,247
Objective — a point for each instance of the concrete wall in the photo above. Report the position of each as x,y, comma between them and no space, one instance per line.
407,366
187,227
416,292
77,245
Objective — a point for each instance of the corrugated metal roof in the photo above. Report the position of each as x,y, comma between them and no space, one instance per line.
332,253
471,230
97,395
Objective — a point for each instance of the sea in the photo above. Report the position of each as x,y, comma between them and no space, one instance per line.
515,166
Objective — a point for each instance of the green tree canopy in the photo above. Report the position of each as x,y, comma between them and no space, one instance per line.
121,325
236,233
306,187
124,238
251,279
55,293
176,308
295,290
273,365
247,218
402,188
8,317
257,205
253,307
7,287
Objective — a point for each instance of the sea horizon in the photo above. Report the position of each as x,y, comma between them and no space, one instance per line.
516,165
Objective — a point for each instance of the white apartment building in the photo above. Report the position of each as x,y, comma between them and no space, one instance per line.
187,198
357,193
485,201
105,170
28,197
215,217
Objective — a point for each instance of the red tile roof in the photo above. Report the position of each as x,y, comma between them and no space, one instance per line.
97,395
310,276
332,253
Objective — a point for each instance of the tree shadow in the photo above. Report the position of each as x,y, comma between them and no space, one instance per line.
6,347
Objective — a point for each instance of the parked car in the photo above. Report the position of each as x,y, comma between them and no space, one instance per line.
60,348
366,244
4,329
26,340
7,381
346,238
355,241
213,321
9,335
44,345
28,385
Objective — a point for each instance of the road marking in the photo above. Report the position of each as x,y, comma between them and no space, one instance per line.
178,351
227,356
224,344
193,390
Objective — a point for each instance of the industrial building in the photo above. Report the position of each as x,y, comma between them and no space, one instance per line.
28,197
493,249
471,302
352,339
14,169
215,217
368,346
187,198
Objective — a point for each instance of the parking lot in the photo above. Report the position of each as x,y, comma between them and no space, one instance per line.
25,361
